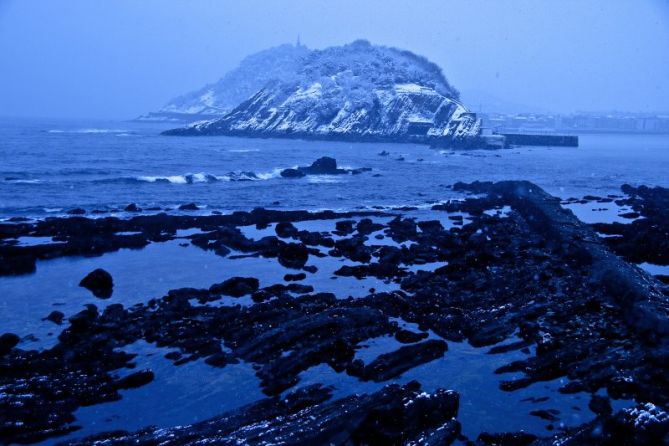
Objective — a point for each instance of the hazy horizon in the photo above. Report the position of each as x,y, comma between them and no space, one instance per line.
122,59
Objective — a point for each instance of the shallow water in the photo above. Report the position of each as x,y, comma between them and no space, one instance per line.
179,395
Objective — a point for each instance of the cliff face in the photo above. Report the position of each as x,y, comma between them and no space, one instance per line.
354,92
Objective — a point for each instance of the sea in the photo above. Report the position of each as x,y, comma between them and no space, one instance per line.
48,167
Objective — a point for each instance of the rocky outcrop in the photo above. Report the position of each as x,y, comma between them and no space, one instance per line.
322,166
99,282
392,416
534,281
357,92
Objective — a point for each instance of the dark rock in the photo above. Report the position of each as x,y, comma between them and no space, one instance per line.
7,342
322,166
367,226
99,282
220,360
189,207
506,439
310,268
293,255
345,227
432,226
76,211
294,277
292,173
391,365
600,405
409,337
285,230
393,415
55,316
548,415
236,286
132,207
136,379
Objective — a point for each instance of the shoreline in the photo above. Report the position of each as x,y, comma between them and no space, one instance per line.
566,297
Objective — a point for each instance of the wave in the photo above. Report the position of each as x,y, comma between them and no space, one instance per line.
318,179
22,181
202,177
92,130
243,150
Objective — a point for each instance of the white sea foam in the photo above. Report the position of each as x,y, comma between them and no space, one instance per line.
16,181
203,177
323,179
276,173
90,130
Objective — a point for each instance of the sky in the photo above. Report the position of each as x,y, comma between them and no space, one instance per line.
117,59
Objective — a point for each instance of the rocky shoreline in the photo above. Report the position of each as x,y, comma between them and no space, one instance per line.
522,274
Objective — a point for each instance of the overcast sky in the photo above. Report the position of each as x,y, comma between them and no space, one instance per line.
121,58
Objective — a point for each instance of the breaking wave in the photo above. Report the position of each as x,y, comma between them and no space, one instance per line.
91,130
22,181
202,177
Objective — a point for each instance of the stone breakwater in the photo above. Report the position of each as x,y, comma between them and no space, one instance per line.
518,274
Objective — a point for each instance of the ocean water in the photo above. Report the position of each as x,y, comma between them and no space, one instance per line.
48,167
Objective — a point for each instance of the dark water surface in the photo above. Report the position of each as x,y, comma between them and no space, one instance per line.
47,167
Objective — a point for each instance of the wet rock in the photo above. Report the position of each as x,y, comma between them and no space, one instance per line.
7,342
136,379
391,365
322,166
431,226
292,173
76,211
345,227
132,207
393,415
15,264
644,424
548,415
600,405
281,290
310,268
56,317
285,229
645,239
367,226
409,337
236,286
293,255
506,439
294,277
99,282
189,207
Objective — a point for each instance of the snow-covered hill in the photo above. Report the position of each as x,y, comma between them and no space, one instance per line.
236,86
354,92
